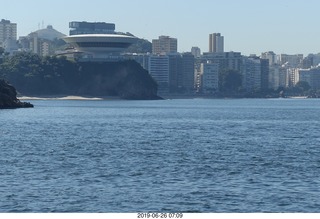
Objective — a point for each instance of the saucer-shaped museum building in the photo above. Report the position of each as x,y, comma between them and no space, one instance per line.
98,40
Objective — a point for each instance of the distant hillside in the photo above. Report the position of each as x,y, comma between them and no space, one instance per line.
36,76
48,33
141,46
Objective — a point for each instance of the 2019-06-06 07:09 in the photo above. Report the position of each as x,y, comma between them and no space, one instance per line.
160,215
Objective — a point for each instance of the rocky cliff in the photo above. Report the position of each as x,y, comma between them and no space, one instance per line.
8,97
127,80
32,75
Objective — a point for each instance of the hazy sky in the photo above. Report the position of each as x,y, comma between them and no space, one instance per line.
248,26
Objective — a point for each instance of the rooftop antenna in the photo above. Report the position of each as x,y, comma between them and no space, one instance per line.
42,24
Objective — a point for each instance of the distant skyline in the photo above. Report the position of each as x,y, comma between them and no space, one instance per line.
248,26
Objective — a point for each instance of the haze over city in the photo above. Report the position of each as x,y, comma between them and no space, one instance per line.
248,26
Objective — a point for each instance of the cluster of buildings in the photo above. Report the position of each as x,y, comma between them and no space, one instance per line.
184,73
43,41
200,72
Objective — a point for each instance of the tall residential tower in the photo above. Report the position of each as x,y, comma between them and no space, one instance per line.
8,31
216,42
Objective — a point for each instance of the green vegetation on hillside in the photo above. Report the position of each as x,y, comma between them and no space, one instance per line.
34,75
141,46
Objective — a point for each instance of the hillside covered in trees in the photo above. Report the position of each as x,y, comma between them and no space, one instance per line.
33,75
141,46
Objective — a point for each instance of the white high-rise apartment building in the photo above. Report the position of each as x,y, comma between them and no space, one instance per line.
216,42
164,44
210,77
8,31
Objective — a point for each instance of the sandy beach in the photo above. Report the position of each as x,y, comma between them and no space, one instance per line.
65,98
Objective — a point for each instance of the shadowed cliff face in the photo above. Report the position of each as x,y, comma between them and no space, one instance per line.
8,97
127,79
39,76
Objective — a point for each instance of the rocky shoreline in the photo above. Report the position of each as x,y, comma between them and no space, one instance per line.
8,97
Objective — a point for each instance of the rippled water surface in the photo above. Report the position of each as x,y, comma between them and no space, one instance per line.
197,155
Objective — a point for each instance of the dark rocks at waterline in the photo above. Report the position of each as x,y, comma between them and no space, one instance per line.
8,97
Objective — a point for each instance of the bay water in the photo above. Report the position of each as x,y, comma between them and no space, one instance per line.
192,155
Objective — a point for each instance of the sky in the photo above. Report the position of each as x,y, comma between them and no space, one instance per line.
248,26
